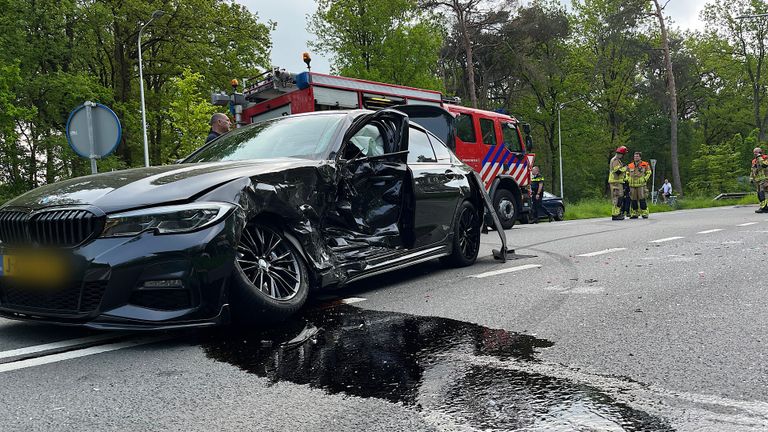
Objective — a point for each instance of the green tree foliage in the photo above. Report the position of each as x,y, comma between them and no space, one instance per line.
70,51
189,114
718,167
390,41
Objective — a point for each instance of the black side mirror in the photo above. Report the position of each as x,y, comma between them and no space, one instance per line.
527,128
528,143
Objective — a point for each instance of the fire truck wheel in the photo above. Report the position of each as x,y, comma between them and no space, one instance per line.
466,237
506,207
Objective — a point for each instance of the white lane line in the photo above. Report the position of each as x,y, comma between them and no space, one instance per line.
710,231
747,224
54,358
665,239
604,251
350,300
506,270
56,346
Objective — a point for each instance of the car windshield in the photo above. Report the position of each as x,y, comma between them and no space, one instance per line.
306,137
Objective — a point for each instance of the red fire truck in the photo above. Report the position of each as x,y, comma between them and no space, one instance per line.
493,144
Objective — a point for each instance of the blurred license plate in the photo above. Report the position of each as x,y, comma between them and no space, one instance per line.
36,268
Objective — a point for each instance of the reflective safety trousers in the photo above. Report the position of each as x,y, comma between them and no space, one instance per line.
638,173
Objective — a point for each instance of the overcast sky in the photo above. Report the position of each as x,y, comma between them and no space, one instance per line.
290,38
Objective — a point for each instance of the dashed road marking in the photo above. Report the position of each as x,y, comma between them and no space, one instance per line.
506,270
710,231
350,300
604,251
747,224
54,358
665,239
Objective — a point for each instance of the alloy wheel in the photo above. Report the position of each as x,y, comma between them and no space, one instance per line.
269,262
469,233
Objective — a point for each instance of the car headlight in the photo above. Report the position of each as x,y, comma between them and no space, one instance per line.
173,219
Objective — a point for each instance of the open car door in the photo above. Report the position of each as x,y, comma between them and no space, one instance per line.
374,200
441,123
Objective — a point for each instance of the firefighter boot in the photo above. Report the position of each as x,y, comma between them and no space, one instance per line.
763,203
644,209
634,211
616,213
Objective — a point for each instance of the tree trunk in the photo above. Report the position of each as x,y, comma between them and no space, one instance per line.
470,60
676,182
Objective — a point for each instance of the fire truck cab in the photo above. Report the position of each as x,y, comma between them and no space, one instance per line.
495,145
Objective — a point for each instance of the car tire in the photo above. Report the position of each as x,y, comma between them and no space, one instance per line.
270,281
506,208
560,213
466,237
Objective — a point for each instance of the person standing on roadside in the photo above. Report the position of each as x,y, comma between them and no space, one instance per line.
220,125
638,172
759,176
616,174
537,191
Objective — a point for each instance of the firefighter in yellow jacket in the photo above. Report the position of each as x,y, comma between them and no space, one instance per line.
617,172
638,173
759,176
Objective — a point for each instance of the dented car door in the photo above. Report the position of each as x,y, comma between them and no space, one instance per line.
374,199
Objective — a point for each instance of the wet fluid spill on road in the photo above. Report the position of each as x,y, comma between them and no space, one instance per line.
423,362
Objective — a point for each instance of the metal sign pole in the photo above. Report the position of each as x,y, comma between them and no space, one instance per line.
88,106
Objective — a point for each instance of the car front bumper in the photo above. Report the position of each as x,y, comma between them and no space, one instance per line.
144,282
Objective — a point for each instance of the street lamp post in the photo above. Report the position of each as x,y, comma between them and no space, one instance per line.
560,141
155,14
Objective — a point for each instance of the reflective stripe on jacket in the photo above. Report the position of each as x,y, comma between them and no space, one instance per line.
616,171
638,173
759,168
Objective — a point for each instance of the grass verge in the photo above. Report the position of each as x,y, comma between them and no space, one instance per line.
594,208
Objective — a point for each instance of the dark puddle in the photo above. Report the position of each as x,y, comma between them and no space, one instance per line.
425,362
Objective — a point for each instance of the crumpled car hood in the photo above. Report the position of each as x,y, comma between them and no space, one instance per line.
141,187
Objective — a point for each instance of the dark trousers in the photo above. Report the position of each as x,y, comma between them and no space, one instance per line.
538,209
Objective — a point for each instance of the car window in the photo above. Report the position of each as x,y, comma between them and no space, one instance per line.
419,149
302,137
465,129
369,141
511,138
441,151
488,131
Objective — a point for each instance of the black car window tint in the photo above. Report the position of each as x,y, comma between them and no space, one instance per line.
465,128
511,137
419,149
303,137
488,131
441,151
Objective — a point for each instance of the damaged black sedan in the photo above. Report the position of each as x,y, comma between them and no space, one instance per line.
243,228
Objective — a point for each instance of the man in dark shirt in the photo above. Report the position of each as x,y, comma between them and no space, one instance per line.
220,125
537,191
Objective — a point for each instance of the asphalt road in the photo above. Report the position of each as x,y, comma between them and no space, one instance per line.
655,324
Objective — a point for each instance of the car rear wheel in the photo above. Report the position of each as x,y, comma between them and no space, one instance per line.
559,213
506,208
270,280
466,237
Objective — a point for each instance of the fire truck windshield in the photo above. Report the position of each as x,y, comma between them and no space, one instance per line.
306,137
